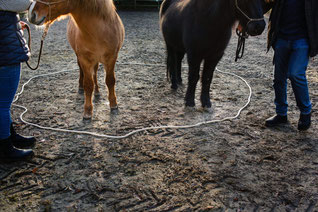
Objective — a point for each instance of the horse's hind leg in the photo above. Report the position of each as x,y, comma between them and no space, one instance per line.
110,82
180,56
206,79
81,77
193,78
96,90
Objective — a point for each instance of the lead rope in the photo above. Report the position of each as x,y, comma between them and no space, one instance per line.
41,45
242,36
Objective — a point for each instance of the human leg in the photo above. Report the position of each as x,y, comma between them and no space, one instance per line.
281,60
297,75
281,57
9,80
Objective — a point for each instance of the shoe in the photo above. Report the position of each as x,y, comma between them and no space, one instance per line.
9,152
275,121
304,122
21,142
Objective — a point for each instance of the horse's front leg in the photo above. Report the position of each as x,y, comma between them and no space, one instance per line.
193,78
206,79
88,85
110,83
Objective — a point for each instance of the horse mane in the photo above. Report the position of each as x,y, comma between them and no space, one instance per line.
103,8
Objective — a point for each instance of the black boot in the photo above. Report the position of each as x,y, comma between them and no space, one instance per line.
304,122
275,121
9,152
21,142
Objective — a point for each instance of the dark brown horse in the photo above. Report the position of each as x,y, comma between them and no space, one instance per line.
202,29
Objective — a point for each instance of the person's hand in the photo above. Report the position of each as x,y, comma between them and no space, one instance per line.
23,25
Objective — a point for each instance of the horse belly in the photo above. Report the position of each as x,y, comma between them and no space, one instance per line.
98,37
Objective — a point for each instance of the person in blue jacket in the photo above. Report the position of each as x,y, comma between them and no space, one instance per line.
13,51
293,34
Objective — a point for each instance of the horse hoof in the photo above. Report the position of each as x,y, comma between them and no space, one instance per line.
114,111
189,109
87,116
174,86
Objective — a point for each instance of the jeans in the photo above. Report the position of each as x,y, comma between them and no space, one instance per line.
9,81
291,59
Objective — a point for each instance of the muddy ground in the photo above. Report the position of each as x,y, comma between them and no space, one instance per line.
237,165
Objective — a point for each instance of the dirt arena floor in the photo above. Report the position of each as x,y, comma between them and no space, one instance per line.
237,165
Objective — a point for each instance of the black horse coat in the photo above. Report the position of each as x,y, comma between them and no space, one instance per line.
202,29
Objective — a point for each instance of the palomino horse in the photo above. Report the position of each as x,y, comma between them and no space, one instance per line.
202,29
96,34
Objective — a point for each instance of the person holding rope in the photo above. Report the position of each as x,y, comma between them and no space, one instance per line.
293,34
13,51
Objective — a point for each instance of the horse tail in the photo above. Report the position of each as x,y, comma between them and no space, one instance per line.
164,6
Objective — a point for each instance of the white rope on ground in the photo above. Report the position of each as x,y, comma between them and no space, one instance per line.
134,131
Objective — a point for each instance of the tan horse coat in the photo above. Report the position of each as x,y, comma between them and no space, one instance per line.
96,34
